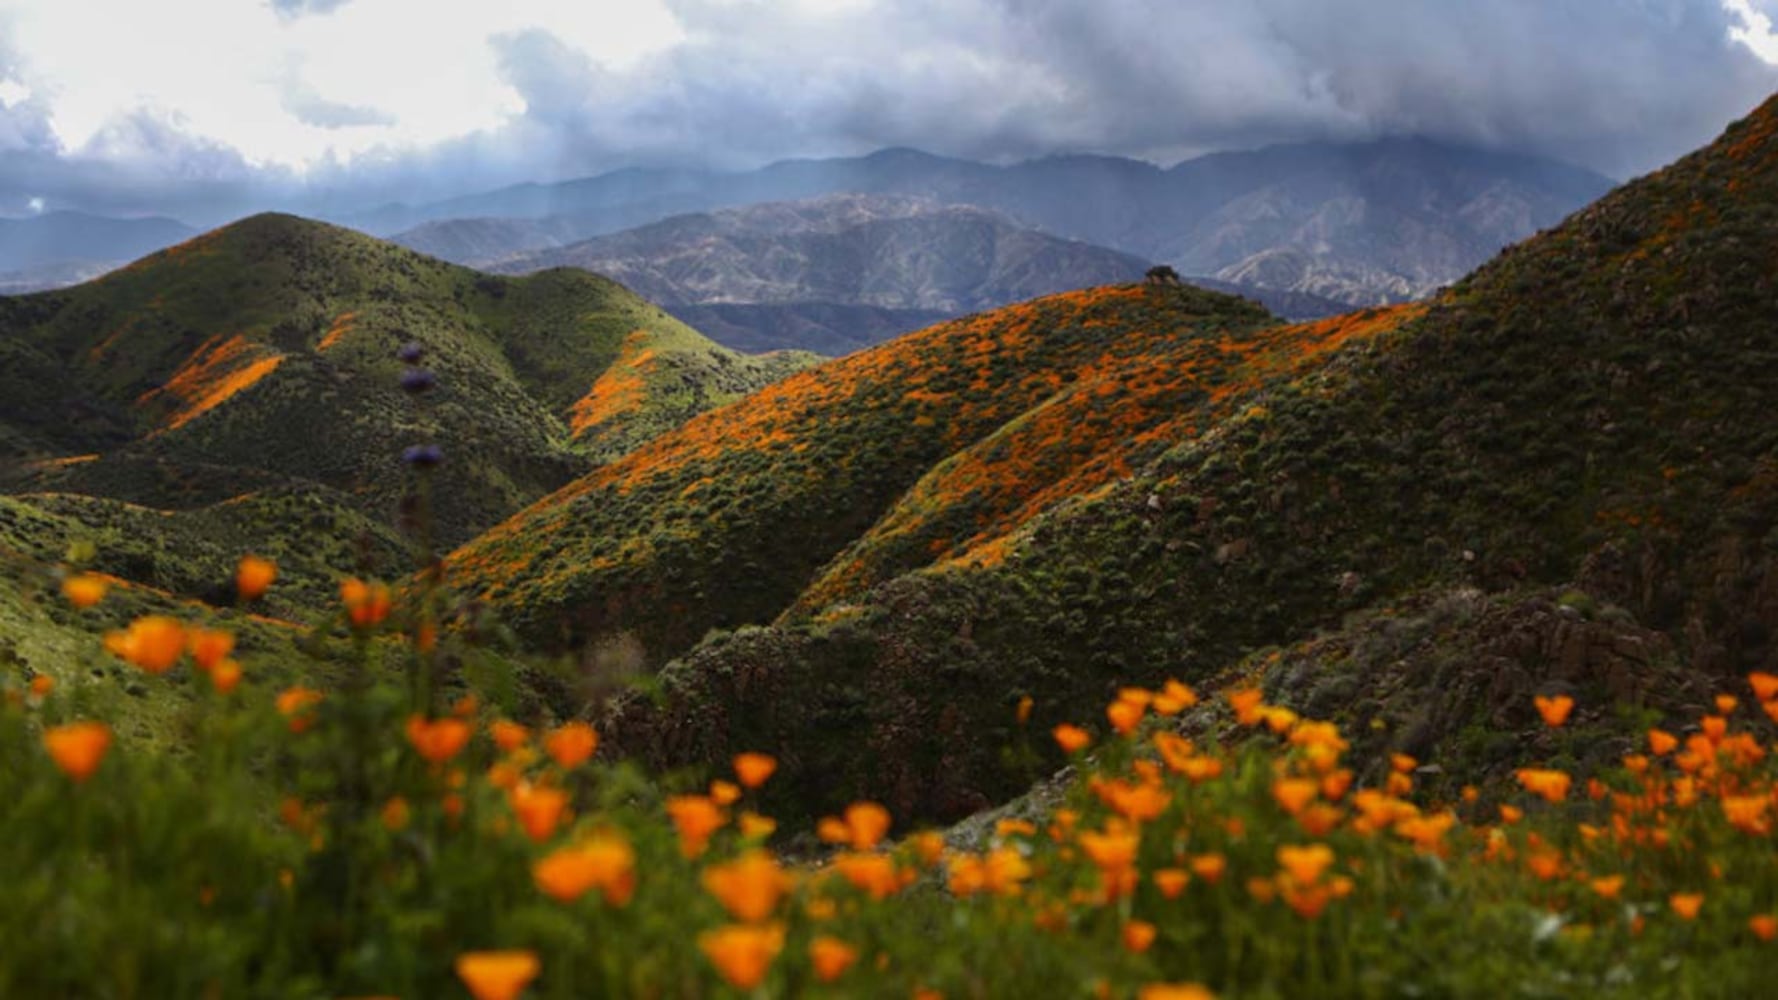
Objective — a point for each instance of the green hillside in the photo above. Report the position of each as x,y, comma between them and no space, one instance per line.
727,520
1588,412
261,357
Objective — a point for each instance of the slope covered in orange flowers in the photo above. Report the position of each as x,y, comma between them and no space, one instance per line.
726,520
1555,477
1116,418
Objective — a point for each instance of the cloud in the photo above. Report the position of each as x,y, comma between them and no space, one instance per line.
306,105
558,92
301,8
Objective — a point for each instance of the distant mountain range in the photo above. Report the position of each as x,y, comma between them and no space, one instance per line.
1361,223
829,274
64,248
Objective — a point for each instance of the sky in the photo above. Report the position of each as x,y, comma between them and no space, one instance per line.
205,109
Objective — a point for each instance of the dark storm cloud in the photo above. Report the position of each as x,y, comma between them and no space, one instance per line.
1618,85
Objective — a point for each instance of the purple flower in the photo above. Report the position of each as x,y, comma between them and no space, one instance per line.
411,352
418,380
422,456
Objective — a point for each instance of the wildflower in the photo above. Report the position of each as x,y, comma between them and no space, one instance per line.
1174,697
208,647
1175,991
1661,743
396,814
1747,813
418,380
1174,749
1247,705
1426,832
508,735
366,604
1292,794
866,824
1138,935
752,769
695,817
1554,710
294,705
78,747
1136,802
749,887
1209,867
742,953
1608,886
1125,715
422,456
437,740
1552,785
1112,850
874,874
411,352
831,957
1765,686
1305,863
928,845
1000,871
1171,881
497,975
1278,719
1726,703
1544,864
83,590
1764,926
153,643
1071,739
753,826
1201,768
42,685
254,576
1307,900
571,745
605,862
1023,711
724,793
538,807
1686,904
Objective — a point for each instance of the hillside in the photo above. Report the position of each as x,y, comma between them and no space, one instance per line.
1557,474
725,521
1363,223
259,359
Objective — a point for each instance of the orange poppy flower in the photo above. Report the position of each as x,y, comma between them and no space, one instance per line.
1661,742
294,705
873,874
1292,794
571,745
605,862
1686,904
724,793
254,576
1305,863
1554,710
1174,697
753,826
1765,686
538,807
1209,867
42,685
497,975
225,676
695,817
153,643
1138,935
1125,715
437,740
1175,991
83,590
831,957
1247,705
1764,926
1071,739
208,647
749,887
1608,886
1171,881
508,735
78,747
752,769
366,604
868,823
742,953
